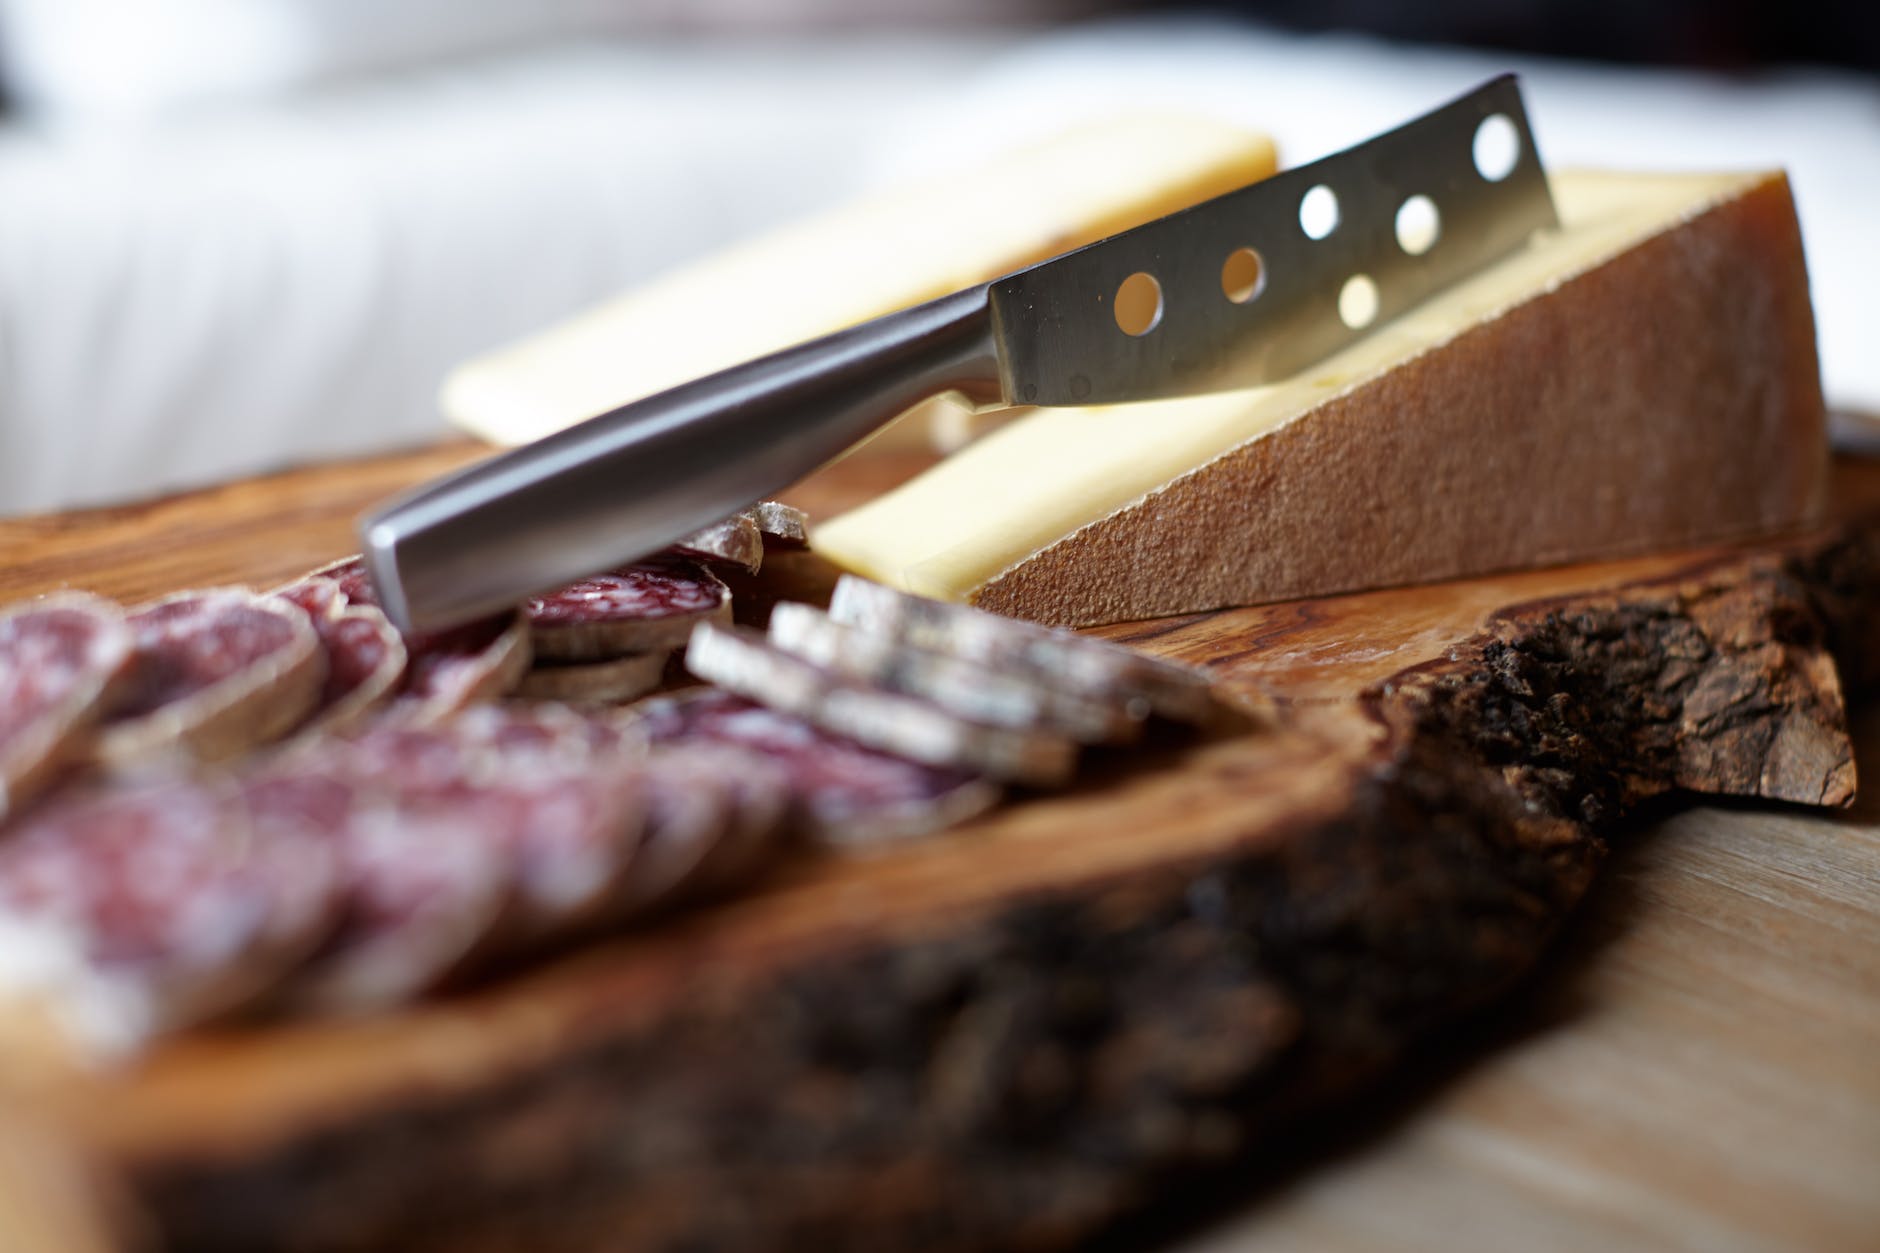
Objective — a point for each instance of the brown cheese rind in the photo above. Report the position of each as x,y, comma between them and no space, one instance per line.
62,657
1669,397
1069,663
978,692
741,661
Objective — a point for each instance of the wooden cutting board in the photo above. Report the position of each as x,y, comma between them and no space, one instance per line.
1019,1031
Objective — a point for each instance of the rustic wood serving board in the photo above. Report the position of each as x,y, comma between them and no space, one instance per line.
1014,1033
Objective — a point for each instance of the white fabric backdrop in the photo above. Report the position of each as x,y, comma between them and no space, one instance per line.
221,291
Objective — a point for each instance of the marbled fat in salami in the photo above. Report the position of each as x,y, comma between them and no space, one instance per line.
843,791
647,607
61,660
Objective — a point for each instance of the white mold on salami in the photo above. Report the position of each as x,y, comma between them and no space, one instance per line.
974,691
646,607
742,661
1069,663
735,541
595,682
63,658
214,673
842,792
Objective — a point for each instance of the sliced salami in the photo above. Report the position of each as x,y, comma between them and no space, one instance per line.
782,526
647,607
214,673
444,671
842,792
689,812
742,661
759,809
735,541
451,670
596,682
575,803
365,655
425,879
62,659
472,838
1070,663
170,894
976,692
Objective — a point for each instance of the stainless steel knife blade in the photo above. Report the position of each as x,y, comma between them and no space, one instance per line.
1247,288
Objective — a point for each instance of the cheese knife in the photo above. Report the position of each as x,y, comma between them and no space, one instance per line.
1244,289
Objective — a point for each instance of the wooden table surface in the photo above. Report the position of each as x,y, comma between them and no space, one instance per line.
1697,1067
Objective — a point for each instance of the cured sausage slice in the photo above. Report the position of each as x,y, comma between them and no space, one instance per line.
842,792
1068,662
687,813
782,526
491,830
736,541
178,908
62,658
424,877
758,808
742,661
365,655
214,673
971,690
596,682
647,607
449,670
444,671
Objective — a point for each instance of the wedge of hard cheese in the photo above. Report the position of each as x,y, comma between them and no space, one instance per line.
855,263
1643,377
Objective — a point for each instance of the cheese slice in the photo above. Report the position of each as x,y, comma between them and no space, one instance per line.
855,263
1643,377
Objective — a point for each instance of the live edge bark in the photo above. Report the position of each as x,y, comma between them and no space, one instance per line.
1023,1075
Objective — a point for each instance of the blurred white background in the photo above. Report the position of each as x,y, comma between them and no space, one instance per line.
240,234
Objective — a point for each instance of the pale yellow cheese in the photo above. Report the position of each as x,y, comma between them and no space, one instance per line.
990,508
858,262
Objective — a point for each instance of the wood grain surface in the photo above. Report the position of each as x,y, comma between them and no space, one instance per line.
1697,1066
1693,1068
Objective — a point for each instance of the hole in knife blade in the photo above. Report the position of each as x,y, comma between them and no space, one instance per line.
1318,212
1138,304
1357,302
1418,225
1243,275
1497,147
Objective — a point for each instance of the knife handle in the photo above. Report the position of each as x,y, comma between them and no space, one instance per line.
628,482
